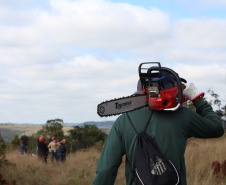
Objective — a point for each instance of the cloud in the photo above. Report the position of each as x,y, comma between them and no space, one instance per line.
103,25
80,24
201,33
205,77
61,58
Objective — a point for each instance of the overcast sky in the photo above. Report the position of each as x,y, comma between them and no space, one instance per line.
60,58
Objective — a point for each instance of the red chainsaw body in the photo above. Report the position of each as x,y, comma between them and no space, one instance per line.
167,99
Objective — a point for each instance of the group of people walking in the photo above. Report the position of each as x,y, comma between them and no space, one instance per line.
55,148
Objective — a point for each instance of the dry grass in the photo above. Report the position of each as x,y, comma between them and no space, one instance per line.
80,167
200,154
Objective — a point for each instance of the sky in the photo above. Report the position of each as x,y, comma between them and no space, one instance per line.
61,58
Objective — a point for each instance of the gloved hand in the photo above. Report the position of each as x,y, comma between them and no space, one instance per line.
191,92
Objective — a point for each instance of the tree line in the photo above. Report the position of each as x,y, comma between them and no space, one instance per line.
77,138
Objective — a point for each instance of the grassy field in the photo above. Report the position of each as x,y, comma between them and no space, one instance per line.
200,154
80,167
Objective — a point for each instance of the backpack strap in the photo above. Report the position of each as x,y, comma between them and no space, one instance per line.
146,124
133,172
148,121
131,123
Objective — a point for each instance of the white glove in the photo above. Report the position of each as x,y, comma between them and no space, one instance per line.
191,92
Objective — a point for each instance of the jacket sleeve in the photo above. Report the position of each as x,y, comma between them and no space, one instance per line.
204,122
110,158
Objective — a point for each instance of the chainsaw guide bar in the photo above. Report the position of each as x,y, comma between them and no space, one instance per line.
121,105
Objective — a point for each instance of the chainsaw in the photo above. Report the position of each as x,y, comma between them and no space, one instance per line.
160,89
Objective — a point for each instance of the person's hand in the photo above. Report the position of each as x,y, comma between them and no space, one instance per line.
191,92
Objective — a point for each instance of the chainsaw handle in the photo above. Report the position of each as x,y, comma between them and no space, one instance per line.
174,108
144,67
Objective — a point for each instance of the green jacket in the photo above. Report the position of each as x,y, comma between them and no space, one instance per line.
169,129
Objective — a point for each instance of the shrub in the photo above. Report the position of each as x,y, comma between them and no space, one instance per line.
2,151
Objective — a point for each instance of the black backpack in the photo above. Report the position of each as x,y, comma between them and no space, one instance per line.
151,166
63,148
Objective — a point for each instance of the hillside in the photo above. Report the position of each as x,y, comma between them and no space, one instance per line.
7,131
103,124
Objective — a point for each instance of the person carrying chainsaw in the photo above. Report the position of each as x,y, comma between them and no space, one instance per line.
159,99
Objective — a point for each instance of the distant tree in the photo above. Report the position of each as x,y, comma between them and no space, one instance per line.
2,151
224,115
52,127
216,102
85,137
25,139
221,111
15,142
32,143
